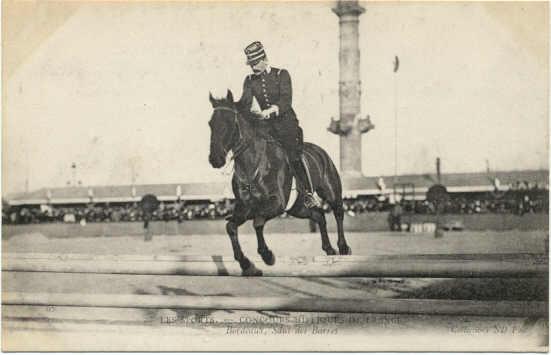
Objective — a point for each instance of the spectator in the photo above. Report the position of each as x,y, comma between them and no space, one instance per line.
395,217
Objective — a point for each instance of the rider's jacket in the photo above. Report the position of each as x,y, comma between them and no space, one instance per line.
271,87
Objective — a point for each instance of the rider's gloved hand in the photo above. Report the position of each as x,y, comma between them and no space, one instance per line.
266,114
275,109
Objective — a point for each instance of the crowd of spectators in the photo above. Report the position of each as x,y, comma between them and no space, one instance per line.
178,211
516,203
454,206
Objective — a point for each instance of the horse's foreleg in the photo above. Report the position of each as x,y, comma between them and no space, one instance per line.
344,249
263,249
247,267
319,217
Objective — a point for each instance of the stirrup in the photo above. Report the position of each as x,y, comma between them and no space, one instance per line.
312,201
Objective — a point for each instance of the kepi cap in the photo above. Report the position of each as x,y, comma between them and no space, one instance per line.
255,53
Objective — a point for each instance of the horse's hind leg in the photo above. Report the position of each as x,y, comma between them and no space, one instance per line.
319,217
263,249
247,267
338,211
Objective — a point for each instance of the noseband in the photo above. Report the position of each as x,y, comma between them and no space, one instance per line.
241,144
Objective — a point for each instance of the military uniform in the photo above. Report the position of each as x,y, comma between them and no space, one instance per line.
272,90
273,87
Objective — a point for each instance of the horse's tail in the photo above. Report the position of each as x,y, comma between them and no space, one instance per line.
325,176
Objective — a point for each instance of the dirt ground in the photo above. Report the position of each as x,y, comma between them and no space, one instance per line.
290,244
93,328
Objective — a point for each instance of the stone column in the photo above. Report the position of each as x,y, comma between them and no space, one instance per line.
350,126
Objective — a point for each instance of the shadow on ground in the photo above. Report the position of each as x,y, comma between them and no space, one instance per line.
483,289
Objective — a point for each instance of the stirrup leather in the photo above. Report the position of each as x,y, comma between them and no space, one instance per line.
310,199
307,170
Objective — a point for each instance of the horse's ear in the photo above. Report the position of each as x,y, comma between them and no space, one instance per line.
229,96
211,99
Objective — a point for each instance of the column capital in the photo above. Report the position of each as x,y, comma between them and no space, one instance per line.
348,7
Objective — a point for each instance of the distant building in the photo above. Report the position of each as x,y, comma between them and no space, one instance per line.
457,183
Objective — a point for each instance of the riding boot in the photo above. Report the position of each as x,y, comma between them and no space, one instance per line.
310,200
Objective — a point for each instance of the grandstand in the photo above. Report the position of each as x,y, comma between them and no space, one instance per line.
456,183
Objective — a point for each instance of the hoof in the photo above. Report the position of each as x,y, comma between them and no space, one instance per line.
345,250
330,251
268,257
251,271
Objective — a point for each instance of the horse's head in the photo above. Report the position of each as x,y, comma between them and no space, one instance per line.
224,129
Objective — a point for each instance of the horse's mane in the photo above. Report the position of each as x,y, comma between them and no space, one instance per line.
227,103
259,126
246,114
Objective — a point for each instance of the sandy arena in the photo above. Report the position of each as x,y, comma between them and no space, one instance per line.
53,328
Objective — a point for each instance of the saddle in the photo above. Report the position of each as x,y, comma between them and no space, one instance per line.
262,129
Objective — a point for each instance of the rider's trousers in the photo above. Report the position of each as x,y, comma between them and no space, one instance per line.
287,131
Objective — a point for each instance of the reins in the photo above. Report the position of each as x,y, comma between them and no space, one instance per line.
241,144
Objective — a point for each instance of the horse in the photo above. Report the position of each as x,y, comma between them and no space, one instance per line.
263,179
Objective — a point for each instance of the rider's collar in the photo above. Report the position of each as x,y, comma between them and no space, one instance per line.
267,70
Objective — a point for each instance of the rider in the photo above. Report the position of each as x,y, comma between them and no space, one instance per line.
268,93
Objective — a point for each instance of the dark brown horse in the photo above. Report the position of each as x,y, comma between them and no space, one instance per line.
262,180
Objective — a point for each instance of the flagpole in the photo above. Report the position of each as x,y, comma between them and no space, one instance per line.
395,127
396,64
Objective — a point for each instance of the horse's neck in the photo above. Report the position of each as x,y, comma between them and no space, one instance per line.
249,163
253,161
245,155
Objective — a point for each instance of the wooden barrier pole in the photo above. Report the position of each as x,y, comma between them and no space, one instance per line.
290,304
377,266
528,257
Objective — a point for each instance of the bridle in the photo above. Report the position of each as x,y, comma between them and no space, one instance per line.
241,145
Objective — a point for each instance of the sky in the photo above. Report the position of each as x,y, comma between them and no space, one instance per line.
121,89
